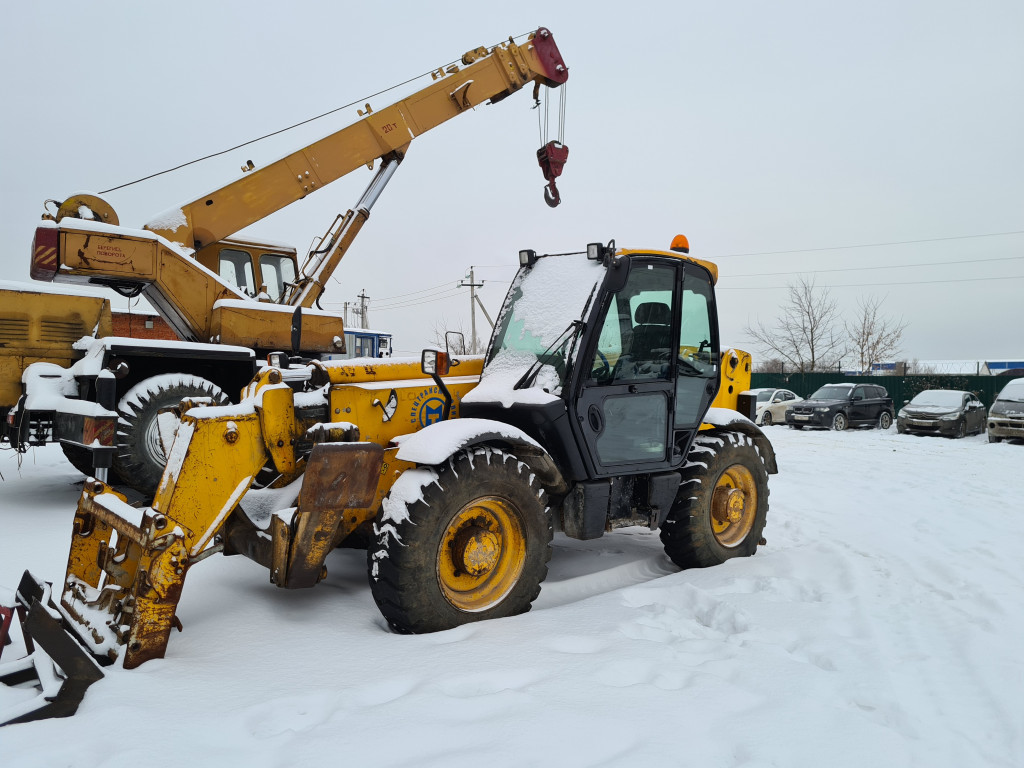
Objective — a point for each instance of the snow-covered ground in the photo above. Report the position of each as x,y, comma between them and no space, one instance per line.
881,626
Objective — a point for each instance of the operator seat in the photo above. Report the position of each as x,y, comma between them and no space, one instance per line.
651,346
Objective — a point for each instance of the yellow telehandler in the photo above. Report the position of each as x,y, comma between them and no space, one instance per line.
604,400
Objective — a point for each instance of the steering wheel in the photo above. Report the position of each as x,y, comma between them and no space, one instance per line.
687,368
605,371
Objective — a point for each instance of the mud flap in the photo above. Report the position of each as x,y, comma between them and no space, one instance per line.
58,666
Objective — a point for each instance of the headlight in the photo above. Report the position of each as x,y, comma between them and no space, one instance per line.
822,409
949,416
902,414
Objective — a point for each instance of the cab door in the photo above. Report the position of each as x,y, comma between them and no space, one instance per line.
649,372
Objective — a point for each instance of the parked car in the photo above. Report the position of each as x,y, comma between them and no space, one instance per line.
772,404
947,412
838,406
1006,416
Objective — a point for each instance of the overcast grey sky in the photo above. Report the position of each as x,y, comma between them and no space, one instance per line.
774,135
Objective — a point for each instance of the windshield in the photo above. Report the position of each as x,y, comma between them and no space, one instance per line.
765,396
1014,391
536,323
833,392
944,398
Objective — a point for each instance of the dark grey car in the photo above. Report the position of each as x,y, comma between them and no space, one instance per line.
1006,417
838,406
948,412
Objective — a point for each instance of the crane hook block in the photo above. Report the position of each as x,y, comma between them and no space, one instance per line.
552,157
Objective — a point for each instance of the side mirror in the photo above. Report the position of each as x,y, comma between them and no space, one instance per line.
454,343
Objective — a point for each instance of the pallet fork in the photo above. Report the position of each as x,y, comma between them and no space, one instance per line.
59,667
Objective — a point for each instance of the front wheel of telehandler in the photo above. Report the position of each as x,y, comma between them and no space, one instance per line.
466,541
722,503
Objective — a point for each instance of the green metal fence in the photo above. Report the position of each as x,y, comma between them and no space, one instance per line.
900,388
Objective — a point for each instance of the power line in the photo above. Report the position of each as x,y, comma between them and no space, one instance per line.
884,266
422,290
437,290
871,285
871,245
416,303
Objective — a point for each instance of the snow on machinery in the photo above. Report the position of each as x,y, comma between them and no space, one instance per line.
603,401
212,287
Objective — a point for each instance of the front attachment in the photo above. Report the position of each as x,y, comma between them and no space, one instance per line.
55,664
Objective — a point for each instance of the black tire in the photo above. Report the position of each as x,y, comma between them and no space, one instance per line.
840,422
961,429
796,426
483,510
993,439
140,458
900,428
885,420
696,533
766,419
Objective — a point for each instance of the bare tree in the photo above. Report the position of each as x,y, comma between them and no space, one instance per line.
771,365
805,336
874,337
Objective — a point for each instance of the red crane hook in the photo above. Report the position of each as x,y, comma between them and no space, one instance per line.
552,157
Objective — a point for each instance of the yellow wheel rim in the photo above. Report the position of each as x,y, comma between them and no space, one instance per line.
733,506
482,554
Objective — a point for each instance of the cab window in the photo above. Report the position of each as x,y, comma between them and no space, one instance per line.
636,342
236,268
277,272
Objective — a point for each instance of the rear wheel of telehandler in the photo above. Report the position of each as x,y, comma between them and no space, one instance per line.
473,544
722,503
141,455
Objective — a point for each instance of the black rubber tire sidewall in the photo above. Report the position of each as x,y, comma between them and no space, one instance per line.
687,533
404,584
134,463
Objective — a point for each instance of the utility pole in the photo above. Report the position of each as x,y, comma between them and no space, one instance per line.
473,285
363,298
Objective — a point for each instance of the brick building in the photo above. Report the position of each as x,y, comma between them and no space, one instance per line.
138,325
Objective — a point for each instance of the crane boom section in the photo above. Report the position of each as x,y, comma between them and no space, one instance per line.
485,76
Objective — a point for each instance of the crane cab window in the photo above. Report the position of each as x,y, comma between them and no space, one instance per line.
277,272
236,268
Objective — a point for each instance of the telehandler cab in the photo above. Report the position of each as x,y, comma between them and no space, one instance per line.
603,401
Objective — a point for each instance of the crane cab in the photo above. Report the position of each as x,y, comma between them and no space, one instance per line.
258,269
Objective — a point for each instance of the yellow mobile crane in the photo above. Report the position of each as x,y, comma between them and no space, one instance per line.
604,400
245,297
